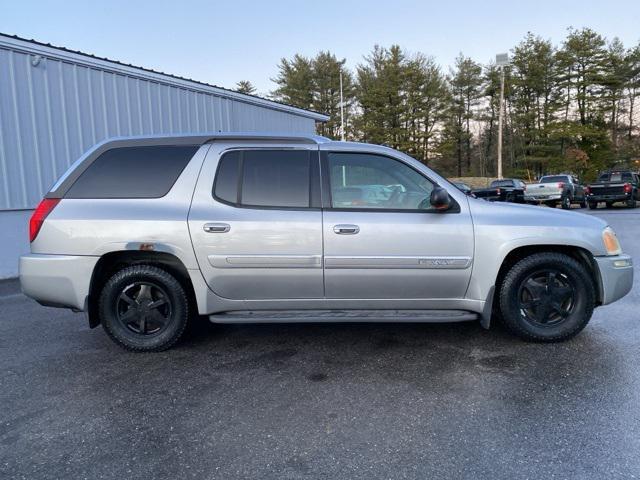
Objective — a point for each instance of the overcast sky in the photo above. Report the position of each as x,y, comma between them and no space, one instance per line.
224,42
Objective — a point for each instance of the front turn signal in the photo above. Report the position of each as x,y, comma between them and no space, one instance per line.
611,243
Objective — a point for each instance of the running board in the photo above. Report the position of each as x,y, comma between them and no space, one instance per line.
320,316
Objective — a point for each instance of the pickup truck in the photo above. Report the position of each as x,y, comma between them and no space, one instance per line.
505,190
553,190
464,188
614,186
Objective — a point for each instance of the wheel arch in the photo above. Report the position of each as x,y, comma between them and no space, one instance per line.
517,253
111,262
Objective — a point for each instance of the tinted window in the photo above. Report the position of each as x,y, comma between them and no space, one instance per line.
275,178
374,181
616,177
270,178
502,183
554,179
226,185
133,172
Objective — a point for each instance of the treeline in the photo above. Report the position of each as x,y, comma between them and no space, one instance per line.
572,107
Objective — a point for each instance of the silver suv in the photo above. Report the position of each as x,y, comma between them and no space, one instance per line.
145,233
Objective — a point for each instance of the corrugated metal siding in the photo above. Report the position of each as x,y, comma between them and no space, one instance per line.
52,112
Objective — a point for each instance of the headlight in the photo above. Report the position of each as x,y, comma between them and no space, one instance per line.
611,243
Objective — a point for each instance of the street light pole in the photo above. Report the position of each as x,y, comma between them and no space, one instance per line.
500,123
342,136
502,60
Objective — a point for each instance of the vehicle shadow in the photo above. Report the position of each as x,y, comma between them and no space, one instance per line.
441,356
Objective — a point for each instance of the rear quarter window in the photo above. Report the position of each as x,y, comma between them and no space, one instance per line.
133,172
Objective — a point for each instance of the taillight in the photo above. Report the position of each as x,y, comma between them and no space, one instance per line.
498,191
587,189
627,188
560,184
41,212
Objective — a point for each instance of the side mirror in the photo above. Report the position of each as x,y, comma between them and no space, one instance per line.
440,199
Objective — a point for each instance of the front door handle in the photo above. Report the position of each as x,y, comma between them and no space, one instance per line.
216,227
346,229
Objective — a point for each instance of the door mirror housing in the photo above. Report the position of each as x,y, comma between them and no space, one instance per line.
440,199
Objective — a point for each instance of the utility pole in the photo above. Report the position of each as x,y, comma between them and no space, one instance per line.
342,136
502,60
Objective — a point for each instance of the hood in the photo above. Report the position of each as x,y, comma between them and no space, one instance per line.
519,214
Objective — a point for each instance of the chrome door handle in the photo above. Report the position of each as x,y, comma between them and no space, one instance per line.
216,227
346,229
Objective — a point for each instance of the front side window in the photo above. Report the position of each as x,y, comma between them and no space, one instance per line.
264,178
367,181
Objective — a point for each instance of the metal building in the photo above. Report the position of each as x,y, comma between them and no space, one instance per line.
56,103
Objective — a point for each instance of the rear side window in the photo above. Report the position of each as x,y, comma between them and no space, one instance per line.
133,172
265,178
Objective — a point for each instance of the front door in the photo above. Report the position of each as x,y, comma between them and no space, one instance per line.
382,239
257,228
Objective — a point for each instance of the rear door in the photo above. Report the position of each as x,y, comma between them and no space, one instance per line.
382,240
256,222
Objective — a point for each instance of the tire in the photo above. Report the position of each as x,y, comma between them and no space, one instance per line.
566,202
593,205
509,198
631,201
127,313
560,312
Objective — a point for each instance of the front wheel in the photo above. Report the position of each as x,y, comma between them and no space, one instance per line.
547,297
143,308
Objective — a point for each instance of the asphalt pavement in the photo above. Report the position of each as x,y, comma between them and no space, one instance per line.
358,401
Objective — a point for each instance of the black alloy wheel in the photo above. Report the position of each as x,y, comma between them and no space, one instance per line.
144,308
546,297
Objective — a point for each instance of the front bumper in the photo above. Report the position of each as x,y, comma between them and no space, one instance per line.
57,280
616,277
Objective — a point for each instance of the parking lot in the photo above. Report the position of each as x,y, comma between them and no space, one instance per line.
322,401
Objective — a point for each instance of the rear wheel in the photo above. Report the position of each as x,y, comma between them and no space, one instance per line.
593,205
547,297
566,202
631,201
143,308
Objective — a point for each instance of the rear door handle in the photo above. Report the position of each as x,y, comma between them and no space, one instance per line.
346,229
216,227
